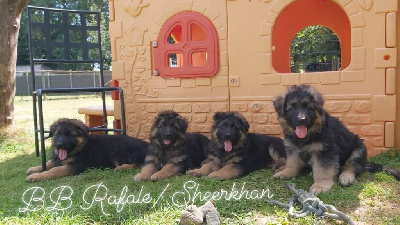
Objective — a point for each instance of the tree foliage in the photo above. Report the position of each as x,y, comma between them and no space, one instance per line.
92,5
314,45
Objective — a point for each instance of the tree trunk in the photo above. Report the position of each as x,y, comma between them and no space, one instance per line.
9,28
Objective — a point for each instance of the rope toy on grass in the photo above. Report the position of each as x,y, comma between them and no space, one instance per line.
311,204
206,214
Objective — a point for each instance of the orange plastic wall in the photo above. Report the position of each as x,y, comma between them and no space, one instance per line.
253,40
304,13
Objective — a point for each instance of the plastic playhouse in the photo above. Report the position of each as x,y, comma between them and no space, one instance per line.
198,57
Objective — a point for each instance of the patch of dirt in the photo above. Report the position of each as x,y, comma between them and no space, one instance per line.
374,210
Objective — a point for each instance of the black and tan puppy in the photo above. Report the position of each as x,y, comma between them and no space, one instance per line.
172,151
74,150
234,152
313,137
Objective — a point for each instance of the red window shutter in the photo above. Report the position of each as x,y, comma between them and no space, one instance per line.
187,46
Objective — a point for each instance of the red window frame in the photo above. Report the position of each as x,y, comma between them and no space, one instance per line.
186,47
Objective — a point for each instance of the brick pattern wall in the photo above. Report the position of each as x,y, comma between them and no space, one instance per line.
199,115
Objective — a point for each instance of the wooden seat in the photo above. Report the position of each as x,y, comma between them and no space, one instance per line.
94,114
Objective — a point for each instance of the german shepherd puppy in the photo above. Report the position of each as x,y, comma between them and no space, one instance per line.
172,151
74,150
313,137
234,152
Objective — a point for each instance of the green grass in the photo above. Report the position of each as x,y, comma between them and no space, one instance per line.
373,199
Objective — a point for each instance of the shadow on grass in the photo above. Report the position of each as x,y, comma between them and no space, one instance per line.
103,195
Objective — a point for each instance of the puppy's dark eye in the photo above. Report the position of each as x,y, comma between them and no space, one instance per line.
74,133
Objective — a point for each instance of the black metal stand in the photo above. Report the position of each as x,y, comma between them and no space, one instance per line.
68,21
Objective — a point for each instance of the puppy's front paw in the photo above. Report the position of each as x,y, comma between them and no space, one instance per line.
284,174
196,173
141,177
278,167
119,168
347,178
34,169
216,174
321,186
222,176
33,178
155,177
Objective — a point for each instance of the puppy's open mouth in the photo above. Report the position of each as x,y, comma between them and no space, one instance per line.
62,154
228,145
301,131
167,141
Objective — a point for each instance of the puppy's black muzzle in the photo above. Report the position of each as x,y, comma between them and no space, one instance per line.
64,142
59,142
228,134
301,118
168,133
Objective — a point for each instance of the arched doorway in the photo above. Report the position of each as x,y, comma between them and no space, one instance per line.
304,13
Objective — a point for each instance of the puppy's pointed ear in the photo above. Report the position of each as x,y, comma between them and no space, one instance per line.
218,116
183,123
56,124
160,116
86,129
245,124
157,120
53,129
279,102
316,96
319,102
79,124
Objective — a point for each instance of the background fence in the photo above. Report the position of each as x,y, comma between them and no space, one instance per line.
59,79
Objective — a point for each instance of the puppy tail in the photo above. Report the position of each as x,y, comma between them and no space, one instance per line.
375,168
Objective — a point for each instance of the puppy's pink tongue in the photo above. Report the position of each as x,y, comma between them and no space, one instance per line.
62,154
301,131
228,146
167,141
